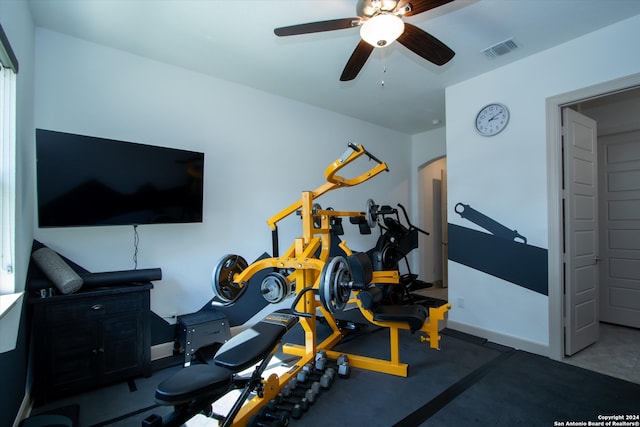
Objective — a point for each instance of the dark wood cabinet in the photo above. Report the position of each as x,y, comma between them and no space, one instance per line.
90,338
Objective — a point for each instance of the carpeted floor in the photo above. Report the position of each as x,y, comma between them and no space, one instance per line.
526,389
471,382
468,382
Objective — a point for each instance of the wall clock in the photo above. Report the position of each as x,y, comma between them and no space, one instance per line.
492,119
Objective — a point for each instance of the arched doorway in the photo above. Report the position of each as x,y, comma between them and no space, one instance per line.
433,219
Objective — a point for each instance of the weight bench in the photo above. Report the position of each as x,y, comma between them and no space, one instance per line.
193,389
371,296
342,276
413,315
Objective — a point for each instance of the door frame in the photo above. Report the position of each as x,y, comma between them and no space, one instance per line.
554,107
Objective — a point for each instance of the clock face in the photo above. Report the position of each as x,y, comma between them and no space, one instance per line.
492,119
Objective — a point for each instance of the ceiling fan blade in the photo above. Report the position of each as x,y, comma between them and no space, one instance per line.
419,6
317,27
356,61
425,45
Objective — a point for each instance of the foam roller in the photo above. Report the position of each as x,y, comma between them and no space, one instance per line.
63,277
110,278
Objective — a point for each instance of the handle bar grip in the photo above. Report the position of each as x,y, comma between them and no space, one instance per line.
406,217
295,302
354,147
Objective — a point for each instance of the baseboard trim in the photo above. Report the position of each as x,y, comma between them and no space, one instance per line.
500,338
160,351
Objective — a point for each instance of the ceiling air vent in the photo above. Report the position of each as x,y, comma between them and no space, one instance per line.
501,48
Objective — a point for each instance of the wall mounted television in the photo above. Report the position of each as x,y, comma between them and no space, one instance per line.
89,181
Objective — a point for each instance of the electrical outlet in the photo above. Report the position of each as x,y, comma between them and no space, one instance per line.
460,302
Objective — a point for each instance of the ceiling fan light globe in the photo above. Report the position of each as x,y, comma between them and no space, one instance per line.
382,30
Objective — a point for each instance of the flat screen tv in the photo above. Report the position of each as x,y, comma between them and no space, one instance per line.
89,181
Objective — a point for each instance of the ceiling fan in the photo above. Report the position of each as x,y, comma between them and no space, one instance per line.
381,23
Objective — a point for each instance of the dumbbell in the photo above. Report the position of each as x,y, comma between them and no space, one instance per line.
308,373
326,380
295,410
330,373
281,417
256,421
315,387
344,369
290,385
342,359
282,399
305,373
321,360
308,394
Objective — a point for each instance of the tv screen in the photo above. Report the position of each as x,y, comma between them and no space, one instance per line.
89,181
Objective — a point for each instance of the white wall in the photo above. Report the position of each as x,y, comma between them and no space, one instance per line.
261,152
248,135
506,176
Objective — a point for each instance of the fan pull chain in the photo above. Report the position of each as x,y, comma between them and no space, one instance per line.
384,67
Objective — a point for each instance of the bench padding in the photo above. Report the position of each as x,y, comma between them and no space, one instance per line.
413,315
196,381
254,344
361,269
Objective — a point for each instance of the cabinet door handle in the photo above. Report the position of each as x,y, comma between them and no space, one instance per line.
97,307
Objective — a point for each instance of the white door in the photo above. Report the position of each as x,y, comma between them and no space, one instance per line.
581,231
619,184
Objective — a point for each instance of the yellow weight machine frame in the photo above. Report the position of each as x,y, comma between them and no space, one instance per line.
306,258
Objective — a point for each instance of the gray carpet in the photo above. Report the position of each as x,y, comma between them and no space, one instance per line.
374,399
468,382
529,390
121,404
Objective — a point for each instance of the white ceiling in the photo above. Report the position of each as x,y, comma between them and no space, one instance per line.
234,40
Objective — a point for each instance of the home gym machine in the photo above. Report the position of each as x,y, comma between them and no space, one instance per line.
394,244
323,286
